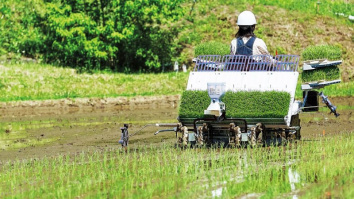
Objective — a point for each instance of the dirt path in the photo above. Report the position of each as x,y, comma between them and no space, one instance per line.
36,129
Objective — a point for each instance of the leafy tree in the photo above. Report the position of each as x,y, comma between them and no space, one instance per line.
122,35
73,38
19,31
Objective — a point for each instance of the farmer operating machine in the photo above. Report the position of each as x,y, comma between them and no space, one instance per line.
237,100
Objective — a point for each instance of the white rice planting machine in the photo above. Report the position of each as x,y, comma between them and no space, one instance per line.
235,73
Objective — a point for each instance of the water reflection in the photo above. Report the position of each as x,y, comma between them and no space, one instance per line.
294,177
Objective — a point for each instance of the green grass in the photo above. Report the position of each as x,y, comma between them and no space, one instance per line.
212,48
340,90
327,74
323,165
326,7
40,82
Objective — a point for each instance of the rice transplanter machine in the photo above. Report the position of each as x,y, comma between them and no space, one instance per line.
239,73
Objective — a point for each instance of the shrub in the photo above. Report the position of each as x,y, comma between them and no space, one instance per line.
193,104
212,48
327,73
329,52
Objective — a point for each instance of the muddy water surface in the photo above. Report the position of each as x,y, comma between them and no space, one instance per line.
34,132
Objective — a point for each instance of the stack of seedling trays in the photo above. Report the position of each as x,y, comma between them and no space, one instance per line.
321,66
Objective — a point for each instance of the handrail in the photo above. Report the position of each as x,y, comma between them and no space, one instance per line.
286,63
207,62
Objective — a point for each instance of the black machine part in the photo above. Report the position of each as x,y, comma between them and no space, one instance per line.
329,104
311,103
218,120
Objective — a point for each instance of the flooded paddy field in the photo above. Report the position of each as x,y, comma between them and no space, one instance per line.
34,132
43,138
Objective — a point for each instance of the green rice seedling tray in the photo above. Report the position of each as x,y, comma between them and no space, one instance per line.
328,52
321,74
256,104
318,52
193,103
242,104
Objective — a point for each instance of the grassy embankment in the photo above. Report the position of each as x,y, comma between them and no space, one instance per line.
286,26
41,82
297,25
314,169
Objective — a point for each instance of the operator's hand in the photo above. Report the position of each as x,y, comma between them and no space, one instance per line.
263,51
268,58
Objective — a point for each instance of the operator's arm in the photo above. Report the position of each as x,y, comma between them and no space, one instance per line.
261,49
233,47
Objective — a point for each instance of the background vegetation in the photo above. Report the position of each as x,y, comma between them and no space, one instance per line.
40,82
101,36
92,34
143,35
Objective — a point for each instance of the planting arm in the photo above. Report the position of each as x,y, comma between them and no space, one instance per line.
329,104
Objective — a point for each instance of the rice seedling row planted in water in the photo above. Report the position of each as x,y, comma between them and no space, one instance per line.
146,172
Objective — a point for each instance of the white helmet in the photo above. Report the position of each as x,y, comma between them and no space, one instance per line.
246,18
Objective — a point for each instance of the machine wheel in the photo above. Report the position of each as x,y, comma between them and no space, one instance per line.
295,121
